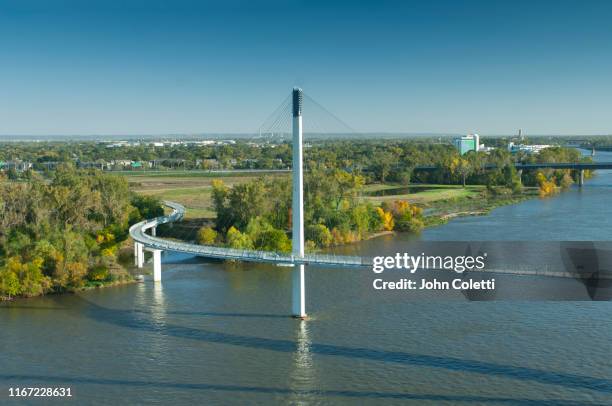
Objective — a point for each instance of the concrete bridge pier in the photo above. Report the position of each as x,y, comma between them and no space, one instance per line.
581,178
299,292
135,253
157,265
138,254
153,231
520,175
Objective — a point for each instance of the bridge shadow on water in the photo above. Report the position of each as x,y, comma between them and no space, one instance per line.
64,380
134,320
219,314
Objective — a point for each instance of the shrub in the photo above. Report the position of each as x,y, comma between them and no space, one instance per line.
236,239
386,219
98,273
266,237
320,235
207,236
547,187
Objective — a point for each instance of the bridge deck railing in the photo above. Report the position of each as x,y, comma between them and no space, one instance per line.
137,231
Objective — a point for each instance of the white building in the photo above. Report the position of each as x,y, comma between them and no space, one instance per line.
529,149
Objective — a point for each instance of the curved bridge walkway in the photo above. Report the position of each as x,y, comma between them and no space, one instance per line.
149,242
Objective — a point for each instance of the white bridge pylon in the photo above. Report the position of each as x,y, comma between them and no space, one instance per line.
298,305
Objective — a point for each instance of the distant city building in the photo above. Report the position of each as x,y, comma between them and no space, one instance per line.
17,164
529,149
99,164
121,163
470,142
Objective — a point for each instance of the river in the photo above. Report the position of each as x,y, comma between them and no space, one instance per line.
577,214
217,333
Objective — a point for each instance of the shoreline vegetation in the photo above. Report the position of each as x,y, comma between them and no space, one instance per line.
66,229
67,232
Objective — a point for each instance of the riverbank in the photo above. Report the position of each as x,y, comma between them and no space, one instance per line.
442,211
87,287
442,203
124,273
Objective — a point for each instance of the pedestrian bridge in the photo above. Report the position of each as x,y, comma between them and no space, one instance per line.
144,235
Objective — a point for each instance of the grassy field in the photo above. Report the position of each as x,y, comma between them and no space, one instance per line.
443,202
199,173
192,190
430,193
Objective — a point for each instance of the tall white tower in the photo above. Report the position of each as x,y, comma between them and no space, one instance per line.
297,210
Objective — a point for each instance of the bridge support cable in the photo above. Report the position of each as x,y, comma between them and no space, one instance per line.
278,124
329,121
264,129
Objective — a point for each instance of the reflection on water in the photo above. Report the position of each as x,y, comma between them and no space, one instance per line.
217,334
303,377
197,338
158,313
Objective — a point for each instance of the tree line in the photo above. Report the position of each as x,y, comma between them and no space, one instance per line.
257,214
65,233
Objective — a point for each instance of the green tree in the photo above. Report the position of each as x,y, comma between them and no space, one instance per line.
265,237
9,283
236,239
148,207
319,234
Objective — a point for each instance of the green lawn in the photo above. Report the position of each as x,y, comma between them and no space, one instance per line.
197,200
431,193
193,174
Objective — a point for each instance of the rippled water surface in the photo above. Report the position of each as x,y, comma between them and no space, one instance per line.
213,333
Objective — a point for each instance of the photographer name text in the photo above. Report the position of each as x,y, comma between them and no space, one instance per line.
413,263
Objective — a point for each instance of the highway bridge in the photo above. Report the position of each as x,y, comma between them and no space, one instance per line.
547,165
578,166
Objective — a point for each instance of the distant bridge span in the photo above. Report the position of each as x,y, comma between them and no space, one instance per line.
578,166
547,165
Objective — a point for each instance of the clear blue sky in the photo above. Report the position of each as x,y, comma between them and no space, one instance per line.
154,67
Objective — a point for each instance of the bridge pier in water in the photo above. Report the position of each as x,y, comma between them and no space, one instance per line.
298,305
581,178
138,254
157,265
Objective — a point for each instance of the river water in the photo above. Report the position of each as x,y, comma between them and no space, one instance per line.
217,333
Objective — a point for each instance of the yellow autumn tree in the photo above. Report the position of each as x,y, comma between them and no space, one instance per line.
386,218
547,187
